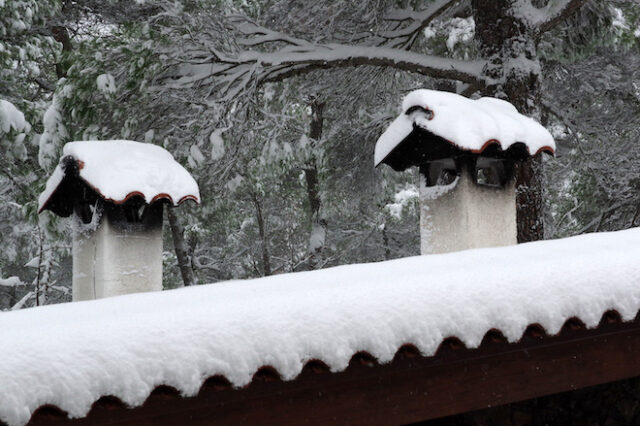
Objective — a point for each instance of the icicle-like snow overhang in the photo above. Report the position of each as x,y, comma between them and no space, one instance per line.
70,355
117,171
489,126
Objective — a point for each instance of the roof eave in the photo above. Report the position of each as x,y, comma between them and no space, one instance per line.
411,388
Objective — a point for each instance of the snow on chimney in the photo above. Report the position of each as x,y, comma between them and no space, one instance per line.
115,192
466,151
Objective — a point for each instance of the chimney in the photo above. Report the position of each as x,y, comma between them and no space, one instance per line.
466,151
115,192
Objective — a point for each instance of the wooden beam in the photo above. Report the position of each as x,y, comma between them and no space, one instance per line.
411,388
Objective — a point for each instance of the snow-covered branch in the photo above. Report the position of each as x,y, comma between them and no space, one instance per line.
564,10
336,55
418,21
30,295
237,74
11,118
238,63
10,282
255,34
547,17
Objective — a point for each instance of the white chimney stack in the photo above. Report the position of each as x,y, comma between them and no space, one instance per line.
115,191
466,151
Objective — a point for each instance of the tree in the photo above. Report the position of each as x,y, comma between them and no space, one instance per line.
239,93
31,245
598,121
506,64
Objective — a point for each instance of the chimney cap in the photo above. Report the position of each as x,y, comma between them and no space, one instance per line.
467,124
117,171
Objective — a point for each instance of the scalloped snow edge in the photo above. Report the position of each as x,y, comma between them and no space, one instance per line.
70,355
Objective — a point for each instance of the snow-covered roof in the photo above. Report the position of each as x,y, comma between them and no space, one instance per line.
471,125
72,354
118,170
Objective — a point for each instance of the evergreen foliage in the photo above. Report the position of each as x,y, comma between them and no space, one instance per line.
223,85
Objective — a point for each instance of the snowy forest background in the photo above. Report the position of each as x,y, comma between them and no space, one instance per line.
275,106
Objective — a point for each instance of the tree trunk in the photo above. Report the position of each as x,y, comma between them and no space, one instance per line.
266,258
509,46
529,201
318,224
61,35
184,262
385,243
39,275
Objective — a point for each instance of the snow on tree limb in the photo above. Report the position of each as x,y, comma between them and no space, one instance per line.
10,282
569,7
236,74
23,301
410,14
335,55
419,21
260,55
547,17
256,34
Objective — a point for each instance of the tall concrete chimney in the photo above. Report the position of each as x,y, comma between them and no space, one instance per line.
466,151
115,192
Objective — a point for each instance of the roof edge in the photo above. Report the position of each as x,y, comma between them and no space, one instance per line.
544,149
532,333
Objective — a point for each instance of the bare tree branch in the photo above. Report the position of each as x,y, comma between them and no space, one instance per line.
44,84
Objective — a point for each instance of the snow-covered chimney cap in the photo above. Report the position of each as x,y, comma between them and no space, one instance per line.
117,171
470,125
